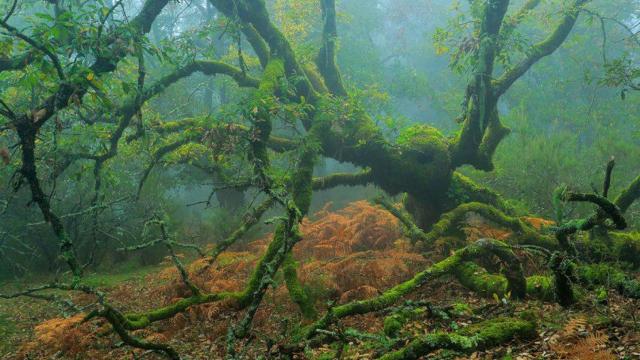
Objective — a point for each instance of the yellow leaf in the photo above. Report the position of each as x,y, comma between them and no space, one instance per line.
90,76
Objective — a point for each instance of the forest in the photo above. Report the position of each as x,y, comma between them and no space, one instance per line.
319,179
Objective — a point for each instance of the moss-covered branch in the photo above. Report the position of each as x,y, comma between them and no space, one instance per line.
296,291
415,233
629,195
480,336
481,126
609,208
258,44
444,267
523,232
342,179
118,322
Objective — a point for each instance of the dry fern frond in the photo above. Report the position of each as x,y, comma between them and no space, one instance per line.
574,326
571,343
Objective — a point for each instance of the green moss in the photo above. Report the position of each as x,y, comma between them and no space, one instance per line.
495,331
541,287
261,107
297,292
463,190
525,233
392,325
314,77
254,281
596,275
476,278
394,322
475,337
419,165
421,135
142,320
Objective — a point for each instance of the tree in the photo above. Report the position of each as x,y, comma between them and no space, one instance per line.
311,100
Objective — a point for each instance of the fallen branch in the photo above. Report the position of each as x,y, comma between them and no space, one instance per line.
480,336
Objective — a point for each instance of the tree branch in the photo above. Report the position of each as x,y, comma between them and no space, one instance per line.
342,179
326,59
541,49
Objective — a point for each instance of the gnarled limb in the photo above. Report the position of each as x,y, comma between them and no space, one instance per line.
258,44
524,233
118,322
481,110
389,297
538,51
475,337
607,209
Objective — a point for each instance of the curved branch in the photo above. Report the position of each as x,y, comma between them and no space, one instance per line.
541,49
524,233
257,43
610,209
255,13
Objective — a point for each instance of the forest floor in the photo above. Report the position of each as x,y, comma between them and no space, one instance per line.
354,253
